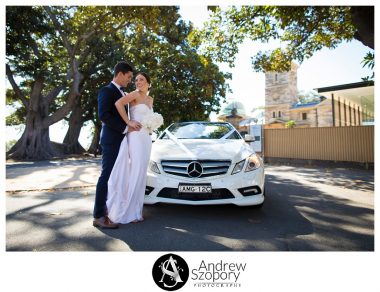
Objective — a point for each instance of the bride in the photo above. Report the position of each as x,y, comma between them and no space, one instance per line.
127,182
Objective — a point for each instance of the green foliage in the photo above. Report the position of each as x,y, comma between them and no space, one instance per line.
185,85
369,61
54,41
18,115
9,144
16,118
217,133
290,124
302,30
32,49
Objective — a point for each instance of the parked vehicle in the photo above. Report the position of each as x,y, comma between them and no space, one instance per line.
204,163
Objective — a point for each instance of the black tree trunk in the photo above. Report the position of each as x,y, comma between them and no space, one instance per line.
71,143
95,146
34,143
363,18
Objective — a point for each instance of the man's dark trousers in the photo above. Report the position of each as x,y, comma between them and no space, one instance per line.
110,140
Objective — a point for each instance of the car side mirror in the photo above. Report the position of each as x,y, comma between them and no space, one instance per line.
248,138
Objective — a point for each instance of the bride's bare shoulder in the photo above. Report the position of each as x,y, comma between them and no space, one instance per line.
136,93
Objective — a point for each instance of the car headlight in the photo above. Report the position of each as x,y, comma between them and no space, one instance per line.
238,167
154,167
254,162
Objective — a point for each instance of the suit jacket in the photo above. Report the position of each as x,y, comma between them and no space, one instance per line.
113,125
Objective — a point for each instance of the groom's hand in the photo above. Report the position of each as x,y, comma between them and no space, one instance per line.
134,125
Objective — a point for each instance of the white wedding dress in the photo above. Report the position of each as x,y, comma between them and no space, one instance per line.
127,182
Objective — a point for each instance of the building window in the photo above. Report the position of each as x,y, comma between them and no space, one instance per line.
304,116
279,114
274,114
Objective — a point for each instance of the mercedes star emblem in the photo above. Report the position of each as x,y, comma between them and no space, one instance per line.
194,169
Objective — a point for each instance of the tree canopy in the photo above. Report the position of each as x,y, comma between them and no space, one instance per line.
61,55
302,30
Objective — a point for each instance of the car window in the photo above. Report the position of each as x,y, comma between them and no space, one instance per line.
202,131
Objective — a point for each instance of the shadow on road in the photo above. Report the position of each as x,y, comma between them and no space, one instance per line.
295,217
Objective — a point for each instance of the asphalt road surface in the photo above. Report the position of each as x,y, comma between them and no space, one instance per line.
306,209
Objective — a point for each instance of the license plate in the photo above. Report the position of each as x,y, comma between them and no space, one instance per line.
194,188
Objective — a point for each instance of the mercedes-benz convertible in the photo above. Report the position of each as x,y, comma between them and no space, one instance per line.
204,163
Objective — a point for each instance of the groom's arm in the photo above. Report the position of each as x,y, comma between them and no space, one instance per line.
106,110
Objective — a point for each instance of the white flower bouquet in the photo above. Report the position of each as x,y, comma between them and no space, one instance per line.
152,121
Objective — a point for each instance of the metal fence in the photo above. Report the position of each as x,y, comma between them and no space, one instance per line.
352,144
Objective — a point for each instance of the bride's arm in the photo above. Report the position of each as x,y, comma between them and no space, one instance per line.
120,106
151,102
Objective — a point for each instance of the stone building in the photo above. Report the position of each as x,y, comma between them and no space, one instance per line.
342,105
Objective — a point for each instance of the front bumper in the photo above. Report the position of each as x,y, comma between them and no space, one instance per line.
227,189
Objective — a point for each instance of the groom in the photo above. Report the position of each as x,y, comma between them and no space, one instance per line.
113,131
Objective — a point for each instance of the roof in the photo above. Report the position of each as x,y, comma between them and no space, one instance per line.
360,93
345,86
303,105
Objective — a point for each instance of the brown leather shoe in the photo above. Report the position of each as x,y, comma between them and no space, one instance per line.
109,220
104,223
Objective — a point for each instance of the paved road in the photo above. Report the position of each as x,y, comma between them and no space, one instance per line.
307,209
54,174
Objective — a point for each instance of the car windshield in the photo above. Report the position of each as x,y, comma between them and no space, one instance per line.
201,131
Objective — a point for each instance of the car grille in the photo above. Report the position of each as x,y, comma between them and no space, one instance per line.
210,167
217,194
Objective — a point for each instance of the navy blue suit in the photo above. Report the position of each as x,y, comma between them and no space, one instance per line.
111,136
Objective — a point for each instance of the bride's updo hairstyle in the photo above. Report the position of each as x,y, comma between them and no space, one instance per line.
146,77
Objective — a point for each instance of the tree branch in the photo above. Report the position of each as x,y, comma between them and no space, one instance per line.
53,94
57,26
88,36
35,49
16,88
73,95
363,19
62,112
36,93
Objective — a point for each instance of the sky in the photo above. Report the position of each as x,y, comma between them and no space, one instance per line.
326,68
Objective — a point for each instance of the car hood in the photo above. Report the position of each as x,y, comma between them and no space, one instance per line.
167,149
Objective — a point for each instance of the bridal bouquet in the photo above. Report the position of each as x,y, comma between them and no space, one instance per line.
152,121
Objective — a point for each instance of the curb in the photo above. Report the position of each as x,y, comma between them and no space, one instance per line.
12,192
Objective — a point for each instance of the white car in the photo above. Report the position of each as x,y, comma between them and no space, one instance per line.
204,163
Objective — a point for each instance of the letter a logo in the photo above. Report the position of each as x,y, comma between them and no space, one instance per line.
173,273
170,272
